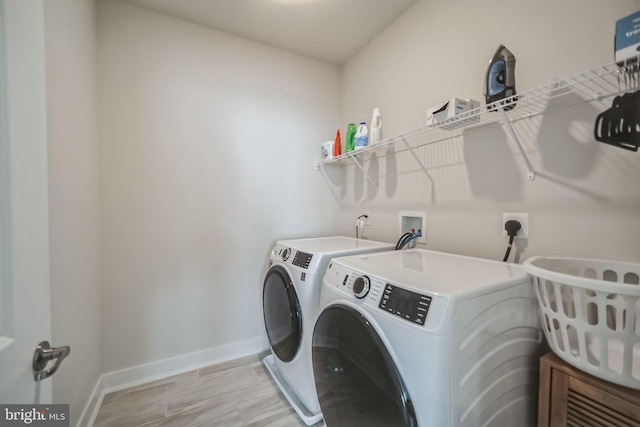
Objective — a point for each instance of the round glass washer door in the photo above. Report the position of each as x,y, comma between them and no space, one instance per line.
356,379
282,314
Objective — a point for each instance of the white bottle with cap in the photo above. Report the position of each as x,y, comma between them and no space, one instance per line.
375,134
362,137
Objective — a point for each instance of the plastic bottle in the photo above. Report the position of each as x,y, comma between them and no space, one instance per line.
337,149
362,137
375,133
351,134
327,150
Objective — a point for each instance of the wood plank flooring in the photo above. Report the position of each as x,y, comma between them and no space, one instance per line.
238,393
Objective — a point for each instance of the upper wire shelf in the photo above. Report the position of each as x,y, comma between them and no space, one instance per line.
595,84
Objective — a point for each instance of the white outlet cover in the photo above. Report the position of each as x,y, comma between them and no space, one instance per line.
368,214
522,218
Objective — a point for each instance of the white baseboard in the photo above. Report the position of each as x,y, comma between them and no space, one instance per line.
92,407
141,374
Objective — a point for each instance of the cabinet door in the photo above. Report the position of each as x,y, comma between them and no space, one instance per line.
590,405
578,400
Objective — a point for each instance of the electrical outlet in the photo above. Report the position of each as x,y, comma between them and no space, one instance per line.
522,218
361,221
413,220
368,214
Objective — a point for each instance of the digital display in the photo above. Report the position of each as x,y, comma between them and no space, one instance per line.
302,259
406,304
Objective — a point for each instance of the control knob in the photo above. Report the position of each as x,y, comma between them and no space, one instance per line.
286,253
361,287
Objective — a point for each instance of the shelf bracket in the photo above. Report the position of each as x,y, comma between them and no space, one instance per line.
415,157
320,167
355,160
531,174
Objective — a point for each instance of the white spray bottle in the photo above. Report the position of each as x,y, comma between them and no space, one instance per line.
375,132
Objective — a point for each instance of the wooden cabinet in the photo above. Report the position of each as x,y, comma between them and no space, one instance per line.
570,397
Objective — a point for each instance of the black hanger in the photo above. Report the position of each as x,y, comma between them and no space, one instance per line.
620,125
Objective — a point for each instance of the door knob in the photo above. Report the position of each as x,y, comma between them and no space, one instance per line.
45,353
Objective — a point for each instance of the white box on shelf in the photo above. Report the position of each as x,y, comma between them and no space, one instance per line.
627,43
450,109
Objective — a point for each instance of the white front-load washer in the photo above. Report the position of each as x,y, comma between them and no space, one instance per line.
422,338
291,302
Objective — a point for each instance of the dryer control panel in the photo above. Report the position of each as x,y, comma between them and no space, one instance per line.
302,259
406,304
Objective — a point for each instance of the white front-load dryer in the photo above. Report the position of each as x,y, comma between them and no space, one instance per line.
421,338
291,302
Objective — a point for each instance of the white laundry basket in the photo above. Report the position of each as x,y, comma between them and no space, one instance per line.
590,310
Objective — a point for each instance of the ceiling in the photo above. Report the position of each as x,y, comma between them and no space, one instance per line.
332,31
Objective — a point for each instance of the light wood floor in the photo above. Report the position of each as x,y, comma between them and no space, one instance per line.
236,394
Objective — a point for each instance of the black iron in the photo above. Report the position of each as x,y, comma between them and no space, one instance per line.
500,80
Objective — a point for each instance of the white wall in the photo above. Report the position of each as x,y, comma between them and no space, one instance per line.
207,147
585,199
71,59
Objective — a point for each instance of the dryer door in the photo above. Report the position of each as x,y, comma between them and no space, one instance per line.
356,379
282,315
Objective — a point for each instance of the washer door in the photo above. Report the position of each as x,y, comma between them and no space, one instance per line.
282,315
357,382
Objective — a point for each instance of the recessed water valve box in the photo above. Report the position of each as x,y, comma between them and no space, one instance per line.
412,221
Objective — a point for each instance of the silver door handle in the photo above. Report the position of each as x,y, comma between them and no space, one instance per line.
45,353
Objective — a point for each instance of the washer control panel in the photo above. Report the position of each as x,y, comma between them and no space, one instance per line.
415,306
406,304
361,287
302,259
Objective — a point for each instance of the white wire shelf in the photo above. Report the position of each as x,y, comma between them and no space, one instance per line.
595,84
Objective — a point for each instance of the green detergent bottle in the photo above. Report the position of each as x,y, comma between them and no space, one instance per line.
351,134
